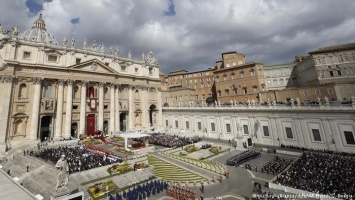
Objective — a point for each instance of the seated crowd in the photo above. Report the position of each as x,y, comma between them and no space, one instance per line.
78,157
276,165
318,150
243,157
321,173
206,146
171,141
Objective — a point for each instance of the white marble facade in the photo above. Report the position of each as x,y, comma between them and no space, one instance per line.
318,127
53,90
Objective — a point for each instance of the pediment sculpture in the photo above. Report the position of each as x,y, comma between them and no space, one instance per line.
150,59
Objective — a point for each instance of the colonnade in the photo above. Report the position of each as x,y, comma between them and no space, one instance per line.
66,87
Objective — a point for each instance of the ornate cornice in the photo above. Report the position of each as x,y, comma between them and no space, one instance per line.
70,82
7,78
37,80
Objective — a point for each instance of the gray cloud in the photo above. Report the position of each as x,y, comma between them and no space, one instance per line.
269,31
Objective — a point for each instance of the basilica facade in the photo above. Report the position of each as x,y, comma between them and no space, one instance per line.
59,90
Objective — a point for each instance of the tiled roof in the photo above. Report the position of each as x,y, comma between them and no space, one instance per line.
339,47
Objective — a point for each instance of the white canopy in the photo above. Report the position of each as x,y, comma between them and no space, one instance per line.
133,135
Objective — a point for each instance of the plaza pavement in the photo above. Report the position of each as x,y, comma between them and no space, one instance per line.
238,186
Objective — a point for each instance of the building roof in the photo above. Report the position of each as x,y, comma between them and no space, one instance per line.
276,66
38,33
333,48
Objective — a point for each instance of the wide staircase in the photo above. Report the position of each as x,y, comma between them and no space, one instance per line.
209,175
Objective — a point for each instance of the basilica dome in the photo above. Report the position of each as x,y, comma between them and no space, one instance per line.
38,33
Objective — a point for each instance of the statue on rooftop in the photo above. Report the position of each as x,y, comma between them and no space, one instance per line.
253,102
319,101
15,31
94,45
298,101
273,102
129,54
63,173
85,44
3,40
326,100
65,40
111,51
268,102
102,50
292,101
117,52
73,42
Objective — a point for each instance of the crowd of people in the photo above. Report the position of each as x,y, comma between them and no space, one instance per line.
276,165
321,173
78,157
172,141
181,192
243,157
318,150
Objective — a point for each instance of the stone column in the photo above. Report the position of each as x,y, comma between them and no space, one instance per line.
112,109
101,107
130,108
59,114
37,82
82,108
159,107
68,111
144,108
6,87
117,108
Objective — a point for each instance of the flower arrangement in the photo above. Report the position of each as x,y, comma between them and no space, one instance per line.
116,139
114,169
92,142
214,150
100,189
191,148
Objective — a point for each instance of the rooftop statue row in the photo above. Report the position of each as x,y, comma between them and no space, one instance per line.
38,33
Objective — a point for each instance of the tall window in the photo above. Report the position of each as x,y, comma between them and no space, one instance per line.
213,128
241,74
23,91
246,130
316,135
349,137
199,126
289,134
176,124
187,125
266,131
327,60
75,92
150,71
228,128
317,92
48,91
252,73
219,93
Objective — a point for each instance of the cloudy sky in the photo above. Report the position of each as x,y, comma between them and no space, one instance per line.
192,34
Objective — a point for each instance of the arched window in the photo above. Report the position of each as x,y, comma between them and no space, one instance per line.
22,91
282,81
274,82
48,91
